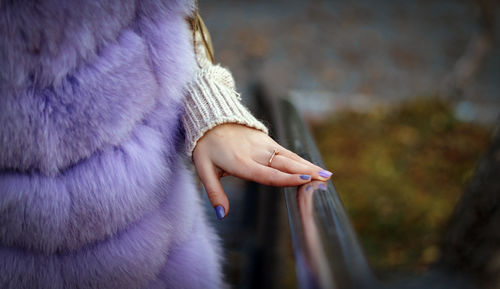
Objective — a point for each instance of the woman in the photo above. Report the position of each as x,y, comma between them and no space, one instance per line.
99,102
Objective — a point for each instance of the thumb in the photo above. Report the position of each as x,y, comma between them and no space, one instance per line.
211,181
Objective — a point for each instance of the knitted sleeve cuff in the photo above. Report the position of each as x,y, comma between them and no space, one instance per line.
210,101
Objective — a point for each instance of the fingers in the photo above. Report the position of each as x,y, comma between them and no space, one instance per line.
289,165
290,162
211,181
272,177
297,158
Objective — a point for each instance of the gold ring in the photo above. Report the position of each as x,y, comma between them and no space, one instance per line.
275,152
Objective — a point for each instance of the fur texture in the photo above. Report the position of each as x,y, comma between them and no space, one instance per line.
93,192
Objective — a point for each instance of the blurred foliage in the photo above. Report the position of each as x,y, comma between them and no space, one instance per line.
400,171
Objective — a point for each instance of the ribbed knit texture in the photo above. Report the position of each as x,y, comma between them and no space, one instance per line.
212,100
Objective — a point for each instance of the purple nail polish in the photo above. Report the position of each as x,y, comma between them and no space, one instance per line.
308,187
220,212
324,174
305,177
322,186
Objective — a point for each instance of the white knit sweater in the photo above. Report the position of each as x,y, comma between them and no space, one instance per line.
212,100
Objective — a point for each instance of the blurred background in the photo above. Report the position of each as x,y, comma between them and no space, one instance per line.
402,98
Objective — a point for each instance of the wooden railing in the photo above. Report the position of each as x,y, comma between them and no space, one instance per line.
327,252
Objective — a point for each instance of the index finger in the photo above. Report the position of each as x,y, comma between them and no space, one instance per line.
324,174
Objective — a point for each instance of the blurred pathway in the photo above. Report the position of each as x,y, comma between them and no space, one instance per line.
337,54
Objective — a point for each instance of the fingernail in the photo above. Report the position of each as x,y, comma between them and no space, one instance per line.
308,187
220,212
324,174
322,186
305,177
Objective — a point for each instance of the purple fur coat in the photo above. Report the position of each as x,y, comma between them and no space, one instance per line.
94,192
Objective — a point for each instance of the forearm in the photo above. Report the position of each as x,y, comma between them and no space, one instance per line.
211,98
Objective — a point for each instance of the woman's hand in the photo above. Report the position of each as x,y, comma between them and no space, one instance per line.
244,152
